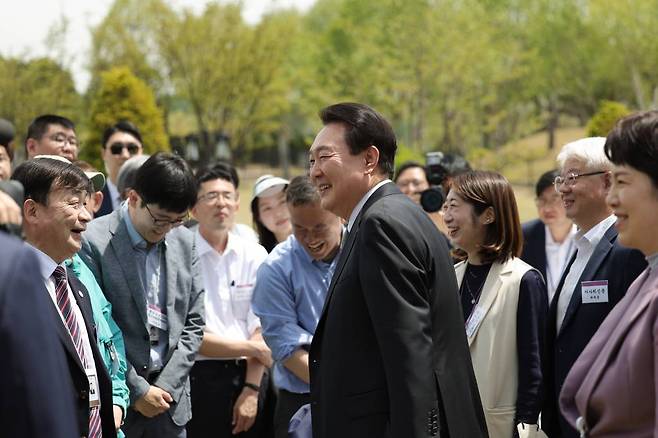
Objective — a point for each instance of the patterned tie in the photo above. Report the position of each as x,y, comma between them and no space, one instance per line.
64,304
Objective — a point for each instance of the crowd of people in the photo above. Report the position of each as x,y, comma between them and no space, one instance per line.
137,306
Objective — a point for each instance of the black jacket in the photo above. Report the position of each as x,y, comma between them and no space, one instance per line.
389,356
534,245
610,261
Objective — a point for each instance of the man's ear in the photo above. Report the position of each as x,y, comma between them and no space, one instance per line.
98,200
371,157
30,211
31,147
133,198
607,181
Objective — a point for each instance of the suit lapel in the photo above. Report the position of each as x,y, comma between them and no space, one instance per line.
125,256
592,267
386,189
632,303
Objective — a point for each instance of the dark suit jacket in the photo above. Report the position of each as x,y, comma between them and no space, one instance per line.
534,245
77,371
106,206
35,386
389,357
610,261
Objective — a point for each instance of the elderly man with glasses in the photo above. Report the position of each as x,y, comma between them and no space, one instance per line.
595,278
150,272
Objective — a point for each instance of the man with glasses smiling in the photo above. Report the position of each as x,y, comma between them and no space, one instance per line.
149,270
595,278
52,135
120,142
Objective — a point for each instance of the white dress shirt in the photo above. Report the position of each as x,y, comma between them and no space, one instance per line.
585,244
115,196
557,256
229,280
362,202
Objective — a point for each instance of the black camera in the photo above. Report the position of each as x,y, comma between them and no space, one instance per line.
432,199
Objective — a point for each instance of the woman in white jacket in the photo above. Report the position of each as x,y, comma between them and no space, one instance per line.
503,300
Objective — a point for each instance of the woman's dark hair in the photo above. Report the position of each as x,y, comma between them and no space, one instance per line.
266,238
166,180
634,142
503,238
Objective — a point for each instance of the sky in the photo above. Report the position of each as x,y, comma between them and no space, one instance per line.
25,25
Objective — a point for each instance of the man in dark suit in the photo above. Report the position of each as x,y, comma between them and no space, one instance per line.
389,356
54,217
548,241
596,277
26,409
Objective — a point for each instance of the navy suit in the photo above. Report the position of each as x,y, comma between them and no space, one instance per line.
35,395
612,262
534,245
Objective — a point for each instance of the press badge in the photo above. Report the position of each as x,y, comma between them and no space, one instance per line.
156,318
474,321
94,396
594,291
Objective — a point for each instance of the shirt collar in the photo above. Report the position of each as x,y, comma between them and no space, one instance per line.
594,235
652,260
549,236
135,238
204,247
46,264
362,202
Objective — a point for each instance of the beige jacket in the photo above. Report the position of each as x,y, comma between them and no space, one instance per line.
491,332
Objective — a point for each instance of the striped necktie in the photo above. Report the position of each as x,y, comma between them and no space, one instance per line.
65,307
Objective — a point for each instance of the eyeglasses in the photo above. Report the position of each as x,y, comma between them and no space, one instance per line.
117,147
570,178
62,139
212,197
165,222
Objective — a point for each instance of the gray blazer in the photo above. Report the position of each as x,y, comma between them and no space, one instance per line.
108,252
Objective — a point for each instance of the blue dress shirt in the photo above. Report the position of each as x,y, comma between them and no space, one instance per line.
290,291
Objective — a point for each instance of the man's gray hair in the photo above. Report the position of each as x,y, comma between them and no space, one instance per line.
589,150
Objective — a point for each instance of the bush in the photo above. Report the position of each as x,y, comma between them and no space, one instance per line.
122,96
605,118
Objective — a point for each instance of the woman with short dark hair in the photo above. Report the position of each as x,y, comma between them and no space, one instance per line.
503,299
611,389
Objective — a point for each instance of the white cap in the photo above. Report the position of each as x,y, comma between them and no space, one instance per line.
267,185
97,178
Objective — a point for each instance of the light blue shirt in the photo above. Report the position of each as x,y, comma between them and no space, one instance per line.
290,291
150,262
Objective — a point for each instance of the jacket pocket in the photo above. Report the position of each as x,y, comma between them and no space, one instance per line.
366,403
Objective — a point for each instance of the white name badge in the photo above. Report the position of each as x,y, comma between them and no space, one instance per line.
94,395
594,291
156,318
474,321
242,292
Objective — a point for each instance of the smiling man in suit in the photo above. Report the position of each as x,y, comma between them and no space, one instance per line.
389,356
596,277
147,266
54,218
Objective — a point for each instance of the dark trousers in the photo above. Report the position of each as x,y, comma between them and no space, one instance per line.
215,386
286,405
160,426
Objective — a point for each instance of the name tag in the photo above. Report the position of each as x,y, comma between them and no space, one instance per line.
94,395
242,292
156,318
474,321
594,291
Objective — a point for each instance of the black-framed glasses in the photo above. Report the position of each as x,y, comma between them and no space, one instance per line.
117,147
165,222
61,140
570,178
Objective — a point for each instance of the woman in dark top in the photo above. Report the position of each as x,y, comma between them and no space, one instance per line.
503,300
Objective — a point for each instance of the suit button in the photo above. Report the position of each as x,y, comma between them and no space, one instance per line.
83,395
144,368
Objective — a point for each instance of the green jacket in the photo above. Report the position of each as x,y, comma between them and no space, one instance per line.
109,337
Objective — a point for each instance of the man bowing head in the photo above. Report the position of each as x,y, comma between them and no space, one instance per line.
389,356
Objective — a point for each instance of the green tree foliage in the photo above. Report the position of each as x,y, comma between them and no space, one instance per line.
605,118
29,88
122,96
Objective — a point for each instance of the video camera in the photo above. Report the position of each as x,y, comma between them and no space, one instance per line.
432,199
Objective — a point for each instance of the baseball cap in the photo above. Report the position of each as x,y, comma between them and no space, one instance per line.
268,185
97,178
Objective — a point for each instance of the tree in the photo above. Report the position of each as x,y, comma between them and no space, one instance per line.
605,118
122,96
